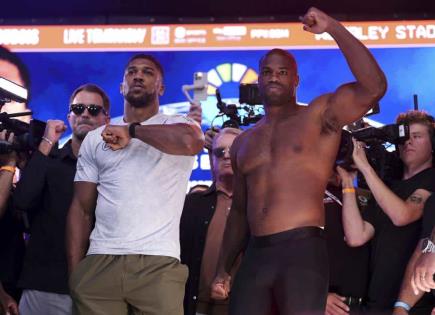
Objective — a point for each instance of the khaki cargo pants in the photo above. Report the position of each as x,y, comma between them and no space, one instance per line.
128,284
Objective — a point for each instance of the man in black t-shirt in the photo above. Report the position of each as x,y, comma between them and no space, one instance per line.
11,240
393,222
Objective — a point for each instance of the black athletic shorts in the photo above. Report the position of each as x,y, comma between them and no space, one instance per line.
283,273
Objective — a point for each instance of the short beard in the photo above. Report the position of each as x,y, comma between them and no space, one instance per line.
80,135
140,101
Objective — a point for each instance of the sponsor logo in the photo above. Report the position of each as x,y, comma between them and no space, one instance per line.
160,35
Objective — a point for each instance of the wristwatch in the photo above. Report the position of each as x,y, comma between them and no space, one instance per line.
428,246
132,129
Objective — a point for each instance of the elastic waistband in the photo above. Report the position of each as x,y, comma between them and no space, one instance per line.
293,234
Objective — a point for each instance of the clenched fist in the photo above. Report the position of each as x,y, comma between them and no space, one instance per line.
116,137
316,21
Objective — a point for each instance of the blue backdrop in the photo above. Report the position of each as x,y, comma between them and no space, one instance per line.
55,75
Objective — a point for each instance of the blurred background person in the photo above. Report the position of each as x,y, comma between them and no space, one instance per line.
348,266
392,221
45,192
202,226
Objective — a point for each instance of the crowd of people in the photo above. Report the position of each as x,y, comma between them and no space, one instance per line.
103,225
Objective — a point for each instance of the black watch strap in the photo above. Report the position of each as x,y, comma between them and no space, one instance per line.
132,129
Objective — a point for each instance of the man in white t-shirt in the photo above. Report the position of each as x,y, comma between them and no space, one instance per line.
130,186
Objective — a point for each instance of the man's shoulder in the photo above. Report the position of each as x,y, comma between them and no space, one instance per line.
424,180
96,133
202,195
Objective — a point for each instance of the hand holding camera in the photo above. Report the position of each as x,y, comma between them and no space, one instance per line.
9,158
359,155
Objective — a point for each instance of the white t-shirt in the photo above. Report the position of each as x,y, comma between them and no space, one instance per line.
141,193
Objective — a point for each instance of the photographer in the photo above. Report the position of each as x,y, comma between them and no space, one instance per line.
393,222
45,192
11,227
11,242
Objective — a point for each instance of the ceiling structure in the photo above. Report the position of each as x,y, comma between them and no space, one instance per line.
204,11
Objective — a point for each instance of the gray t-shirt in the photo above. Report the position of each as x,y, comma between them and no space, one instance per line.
141,192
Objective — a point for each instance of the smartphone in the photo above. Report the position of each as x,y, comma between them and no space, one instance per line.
200,84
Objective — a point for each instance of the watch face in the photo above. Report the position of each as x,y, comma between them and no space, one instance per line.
427,246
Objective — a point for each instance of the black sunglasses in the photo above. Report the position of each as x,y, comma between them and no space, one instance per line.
220,152
93,109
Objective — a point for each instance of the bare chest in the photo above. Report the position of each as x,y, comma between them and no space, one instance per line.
281,144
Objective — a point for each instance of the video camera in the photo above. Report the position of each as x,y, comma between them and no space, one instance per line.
27,136
385,163
249,95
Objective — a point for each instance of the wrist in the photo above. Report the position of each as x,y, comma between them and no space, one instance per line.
8,168
132,129
347,183
333,24
366,170
348,190
402,305
45,146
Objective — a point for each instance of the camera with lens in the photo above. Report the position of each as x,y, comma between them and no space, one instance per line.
386,163
250,98
27,136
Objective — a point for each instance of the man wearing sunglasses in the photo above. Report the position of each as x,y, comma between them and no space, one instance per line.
281,168
45,192
202,228
131,181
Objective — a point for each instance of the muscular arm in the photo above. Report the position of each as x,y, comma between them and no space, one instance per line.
350,101
180,139
79,222
177,139
236,232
